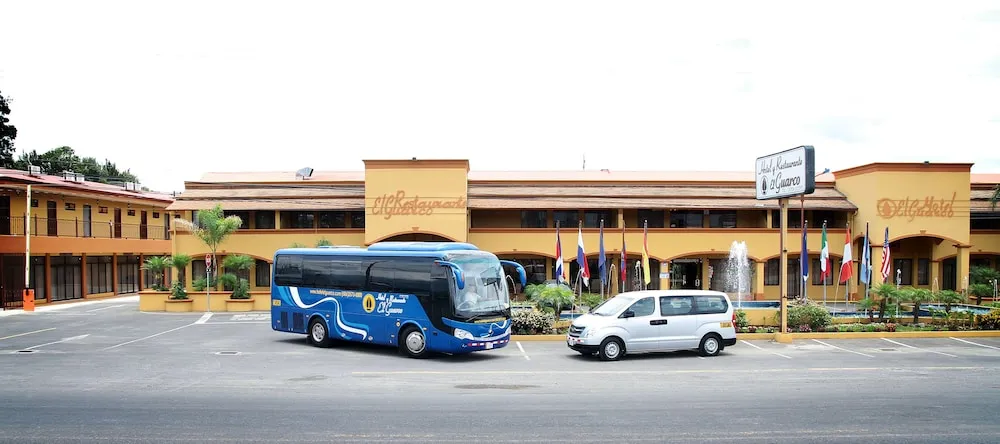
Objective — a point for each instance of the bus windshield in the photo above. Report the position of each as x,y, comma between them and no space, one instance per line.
485,292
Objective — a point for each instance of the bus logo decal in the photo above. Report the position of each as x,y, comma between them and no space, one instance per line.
341,324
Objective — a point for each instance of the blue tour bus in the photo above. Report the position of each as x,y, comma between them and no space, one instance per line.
421,297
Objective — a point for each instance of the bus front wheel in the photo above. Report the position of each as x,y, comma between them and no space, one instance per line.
412,342
318,334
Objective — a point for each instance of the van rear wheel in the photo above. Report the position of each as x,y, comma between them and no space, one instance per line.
612,349
318,334
711,345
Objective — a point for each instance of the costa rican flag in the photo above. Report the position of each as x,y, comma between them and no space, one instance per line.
886,260
560,273
581,258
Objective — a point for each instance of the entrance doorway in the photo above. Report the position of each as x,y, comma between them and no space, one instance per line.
5,215
685,274
53,222
87,221
118,223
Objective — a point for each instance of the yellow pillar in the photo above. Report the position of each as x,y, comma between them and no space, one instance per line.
758,284
705,279
664,281
935,275
877,267
962,268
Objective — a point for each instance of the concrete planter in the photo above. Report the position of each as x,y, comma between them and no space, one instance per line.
239,304
179,305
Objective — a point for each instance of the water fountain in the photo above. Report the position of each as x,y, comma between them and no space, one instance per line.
738,271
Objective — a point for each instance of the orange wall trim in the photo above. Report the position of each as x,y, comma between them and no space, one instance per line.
75,245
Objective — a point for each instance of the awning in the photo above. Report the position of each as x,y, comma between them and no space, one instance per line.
270,204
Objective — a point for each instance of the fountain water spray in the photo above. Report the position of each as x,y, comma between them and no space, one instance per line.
738,271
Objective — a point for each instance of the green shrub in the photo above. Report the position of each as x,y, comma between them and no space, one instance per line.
556,298
807,313
527,322
591,300
741,319
989,321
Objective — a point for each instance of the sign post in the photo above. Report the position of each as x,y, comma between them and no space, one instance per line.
208,285
780,176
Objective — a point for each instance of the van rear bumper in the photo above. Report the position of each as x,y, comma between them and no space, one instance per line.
729,342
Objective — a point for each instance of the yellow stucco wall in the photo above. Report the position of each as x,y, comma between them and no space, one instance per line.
429,196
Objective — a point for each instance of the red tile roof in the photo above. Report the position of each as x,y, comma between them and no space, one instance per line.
52,181
505,176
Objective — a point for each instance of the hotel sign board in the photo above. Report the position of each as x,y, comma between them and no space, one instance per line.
785,174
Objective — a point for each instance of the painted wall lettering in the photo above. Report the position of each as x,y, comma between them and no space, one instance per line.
913,208
399,204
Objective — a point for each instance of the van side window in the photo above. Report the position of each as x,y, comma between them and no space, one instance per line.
642,307
711,304
676,305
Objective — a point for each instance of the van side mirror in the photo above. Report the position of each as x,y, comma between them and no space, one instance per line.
456,271
628,314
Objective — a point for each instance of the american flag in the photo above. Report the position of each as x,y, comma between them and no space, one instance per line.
886,261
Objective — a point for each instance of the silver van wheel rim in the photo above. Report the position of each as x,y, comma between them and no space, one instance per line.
611,349
415,342
318,332
711,345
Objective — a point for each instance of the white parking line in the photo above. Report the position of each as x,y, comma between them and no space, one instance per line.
56,342
917,348
771,352
844,349
147,337
105,308
27,333
204,318
519,347
976,343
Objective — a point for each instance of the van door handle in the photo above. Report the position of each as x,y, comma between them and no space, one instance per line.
658,322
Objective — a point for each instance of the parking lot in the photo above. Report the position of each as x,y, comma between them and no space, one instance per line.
123,367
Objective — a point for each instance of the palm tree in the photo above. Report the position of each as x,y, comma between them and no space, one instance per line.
213,228
886,292
156,265
949,297
917,296
240,286
180,263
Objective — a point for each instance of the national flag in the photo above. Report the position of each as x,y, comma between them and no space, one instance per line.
624,269
645,254
886,264
602,265
804,256
847,266
581,257
824,256
560,272
866,259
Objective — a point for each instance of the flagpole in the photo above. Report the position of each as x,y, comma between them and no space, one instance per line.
601,269
823,262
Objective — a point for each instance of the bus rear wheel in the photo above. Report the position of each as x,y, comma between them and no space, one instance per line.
412,342
318,334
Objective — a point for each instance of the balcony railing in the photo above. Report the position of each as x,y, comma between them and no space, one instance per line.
41,226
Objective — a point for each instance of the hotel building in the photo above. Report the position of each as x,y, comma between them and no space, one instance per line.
87,239
939,218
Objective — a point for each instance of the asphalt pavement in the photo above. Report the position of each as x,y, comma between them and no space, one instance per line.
107,373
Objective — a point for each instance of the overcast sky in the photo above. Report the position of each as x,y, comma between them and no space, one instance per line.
187,87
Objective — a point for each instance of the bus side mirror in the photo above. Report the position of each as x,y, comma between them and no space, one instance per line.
455,270
520,271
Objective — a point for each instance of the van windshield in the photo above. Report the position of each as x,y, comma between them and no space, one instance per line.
612,306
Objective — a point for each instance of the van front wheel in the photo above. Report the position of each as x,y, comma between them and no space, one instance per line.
612,349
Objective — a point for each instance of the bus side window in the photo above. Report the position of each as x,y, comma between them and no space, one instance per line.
288,271
381,277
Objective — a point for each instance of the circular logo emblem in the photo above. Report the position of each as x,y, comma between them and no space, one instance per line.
368,303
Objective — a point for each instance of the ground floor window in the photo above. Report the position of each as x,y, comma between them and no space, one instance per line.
128,274
262,273
67,279
99,274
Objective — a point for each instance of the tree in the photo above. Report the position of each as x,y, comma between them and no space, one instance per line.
982,282
916,296
212,228
8,133
64,158
886,293
156,265
949,298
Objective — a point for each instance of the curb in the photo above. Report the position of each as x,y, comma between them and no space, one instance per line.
57,306
793,336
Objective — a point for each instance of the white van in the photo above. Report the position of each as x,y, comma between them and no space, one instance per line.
656,321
